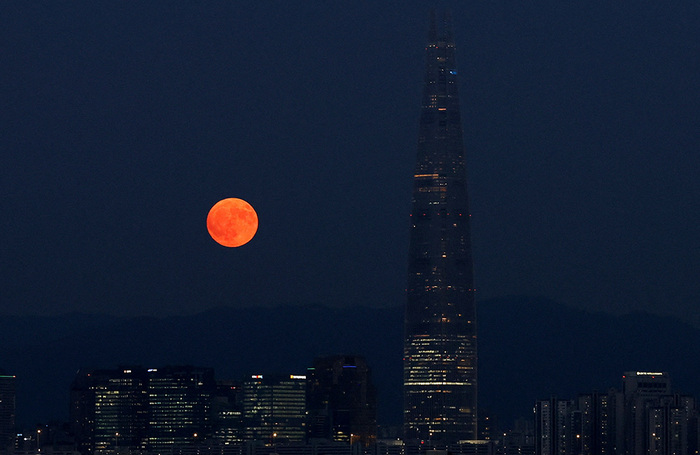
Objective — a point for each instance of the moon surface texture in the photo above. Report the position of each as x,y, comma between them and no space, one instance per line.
232,222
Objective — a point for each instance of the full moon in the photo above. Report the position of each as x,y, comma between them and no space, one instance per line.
232,222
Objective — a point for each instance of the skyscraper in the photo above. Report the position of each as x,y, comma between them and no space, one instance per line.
642,391
274,408
597,430
7,411
179,400
440,321
108,410
553,427
227,413
341,401
133,409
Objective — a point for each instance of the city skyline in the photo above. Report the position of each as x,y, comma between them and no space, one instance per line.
134,408
121,142
124,124
578,362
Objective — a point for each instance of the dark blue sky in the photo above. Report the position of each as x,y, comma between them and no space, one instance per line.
122,123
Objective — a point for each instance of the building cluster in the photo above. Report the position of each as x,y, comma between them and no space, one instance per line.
180,409
644,418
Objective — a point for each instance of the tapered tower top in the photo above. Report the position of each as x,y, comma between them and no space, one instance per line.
440,143
441,31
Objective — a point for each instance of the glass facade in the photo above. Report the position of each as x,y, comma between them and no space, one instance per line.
108,410
440,320
179,400
341,400
134,409
274,408
120,412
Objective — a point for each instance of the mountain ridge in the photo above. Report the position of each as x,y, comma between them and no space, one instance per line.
529,348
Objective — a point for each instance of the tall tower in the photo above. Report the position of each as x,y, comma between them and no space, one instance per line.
440,321
7,411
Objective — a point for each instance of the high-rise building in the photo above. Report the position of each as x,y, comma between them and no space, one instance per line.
640,389
440,371
553,425
274,408
109,410
227,413
599,415
179,401
7,411
120,411
341,400
133,409
645,418
671,423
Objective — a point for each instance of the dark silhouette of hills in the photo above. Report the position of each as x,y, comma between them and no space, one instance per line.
529,348
547,349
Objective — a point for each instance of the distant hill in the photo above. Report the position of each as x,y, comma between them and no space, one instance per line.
529,348
532,348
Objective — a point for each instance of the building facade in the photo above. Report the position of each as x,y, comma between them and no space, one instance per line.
179,402
553,425
109,410
596,422
341,400
7,411
227,413
134,410
440,351
274,408
645,418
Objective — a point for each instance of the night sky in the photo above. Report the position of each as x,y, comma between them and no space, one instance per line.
122,123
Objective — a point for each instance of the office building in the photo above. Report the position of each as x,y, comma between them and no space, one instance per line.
227,413
341,400
132,409
179,400
109,410
641,389
7,411
440,351
274,408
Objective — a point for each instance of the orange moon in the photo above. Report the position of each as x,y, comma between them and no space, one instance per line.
232,222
